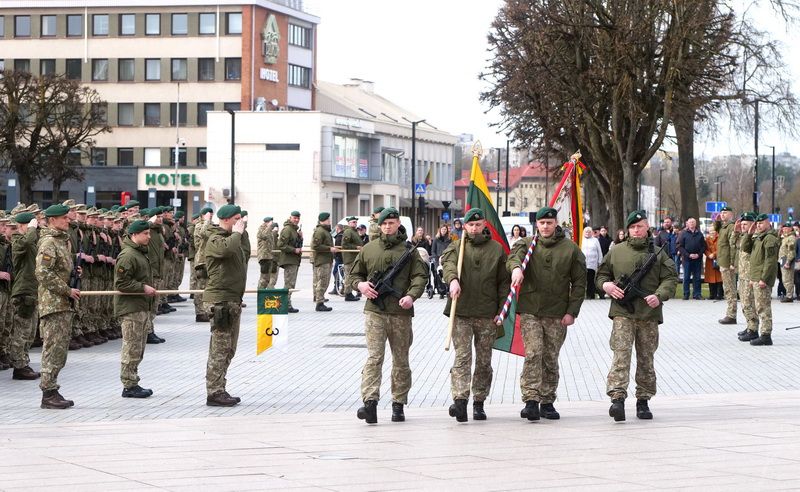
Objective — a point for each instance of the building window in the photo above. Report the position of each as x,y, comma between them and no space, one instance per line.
525,202
180,24
126,69
99,156
100,69
100,110
181,157
74,157
233,68
299,76
74,25
208,23
100,25
299,36
2,26
74,67
125,114
202,160
125,157
152,24
22,26
205,69
350,157
152,157
47,67
22,65
202,110
232,106
152,114
127,25
182,121
2,65
48,26
233,23
179,69
152,69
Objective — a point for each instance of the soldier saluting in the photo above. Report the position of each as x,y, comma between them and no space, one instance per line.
290,243
639,324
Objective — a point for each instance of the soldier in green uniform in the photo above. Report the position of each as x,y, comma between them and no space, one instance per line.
763,273
374,231
290,243
638,328
264,246
132,275
155,254
393,323
199,239
54,266
549,300
226,261
24,295
786,255
726,253
350,241
323,250
480,291
744,246
6,279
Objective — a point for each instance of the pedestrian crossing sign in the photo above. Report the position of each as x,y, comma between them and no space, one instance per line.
419,188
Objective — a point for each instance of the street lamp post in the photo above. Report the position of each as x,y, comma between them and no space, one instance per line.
773,178
233,156
755,171
497,181
660,193
177,143
414,167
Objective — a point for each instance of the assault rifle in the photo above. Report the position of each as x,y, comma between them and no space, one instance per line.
8,265
74,278
382,281
630,284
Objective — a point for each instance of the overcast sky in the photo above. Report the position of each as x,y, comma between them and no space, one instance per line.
426,55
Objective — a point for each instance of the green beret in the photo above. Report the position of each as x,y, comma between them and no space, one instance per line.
634,217
138,226
206,210
132,203
474,214
179,214
267,219
167,208
56,210
144,212
726,209
351,218
115,207
787,224
761,217
295,213
545,213
25,217
748,216
244,213
195,215
228,211
323,216
388,213
377,210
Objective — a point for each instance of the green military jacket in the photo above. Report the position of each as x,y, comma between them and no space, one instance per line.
484,278
555,278
288,240
226,263
351,240
190,239
6,263
785,254
764,258
726,246
155,250
374,230
199,239
265,242
53,268
623,259
380,255
246,246
321,244
23,250
132,273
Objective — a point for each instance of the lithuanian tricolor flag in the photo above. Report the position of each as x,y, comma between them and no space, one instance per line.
272,323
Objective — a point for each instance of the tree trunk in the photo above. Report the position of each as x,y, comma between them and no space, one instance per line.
630,190
616,209
684,131
25,189
56,192
595,202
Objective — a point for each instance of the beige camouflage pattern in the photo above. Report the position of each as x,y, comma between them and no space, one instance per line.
222,347
543,338
134,338
729,286
378,328
22,334
5,327
53,268
55,330
466,331
266,242
290,279
627,333
322,279
763,305
746,292
787,275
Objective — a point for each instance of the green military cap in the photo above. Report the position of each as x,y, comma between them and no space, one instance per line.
70,203
748,216
132,203
351,218
228,211
634,217
144,212
167,208
726,209
787,224
206,210
545,213
19,208
92,212
33,208
179,214
195,215
377,210
56,210
323,216
81,209
114,207
295,213
474,214
25,217
267,219
244,213
388,213
761,217
138,226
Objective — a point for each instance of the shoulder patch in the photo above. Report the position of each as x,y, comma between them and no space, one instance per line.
121,269
47,260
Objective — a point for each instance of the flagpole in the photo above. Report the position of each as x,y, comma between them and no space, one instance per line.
512,291
160,292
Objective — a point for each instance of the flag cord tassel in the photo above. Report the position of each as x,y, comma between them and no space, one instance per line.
512,291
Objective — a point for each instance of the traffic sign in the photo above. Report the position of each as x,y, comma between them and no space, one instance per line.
776,218
445,216
712,207
419,188
790,210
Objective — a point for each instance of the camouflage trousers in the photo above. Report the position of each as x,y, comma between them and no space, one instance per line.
729,286
5,326
135,327
748,302
23,330
378,328
290,278
543,338
466,331
322,278
200,284
348,279
55,329
158,284
627,333
787,275
225,318
763,301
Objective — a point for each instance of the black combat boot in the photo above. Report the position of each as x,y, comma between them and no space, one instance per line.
85,343
727,321
323,308
617,409
69,402
762,340
75,345
152,338
350,297
292,310
136,392
750,335
201,318
459,410
51,401
477,411
369,412
221,399
548,411
741,332
531,410
25,374
397,412
643,410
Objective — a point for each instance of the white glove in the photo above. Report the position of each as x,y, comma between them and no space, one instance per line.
152,219
239,226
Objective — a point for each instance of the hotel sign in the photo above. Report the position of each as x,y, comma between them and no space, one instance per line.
169,179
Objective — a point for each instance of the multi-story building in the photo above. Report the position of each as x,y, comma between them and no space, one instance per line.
161,66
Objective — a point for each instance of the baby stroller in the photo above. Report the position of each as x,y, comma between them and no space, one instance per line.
435,282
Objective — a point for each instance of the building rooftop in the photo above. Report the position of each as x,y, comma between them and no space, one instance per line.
515,175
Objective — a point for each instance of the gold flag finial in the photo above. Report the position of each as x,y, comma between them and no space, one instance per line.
576,156
477,149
